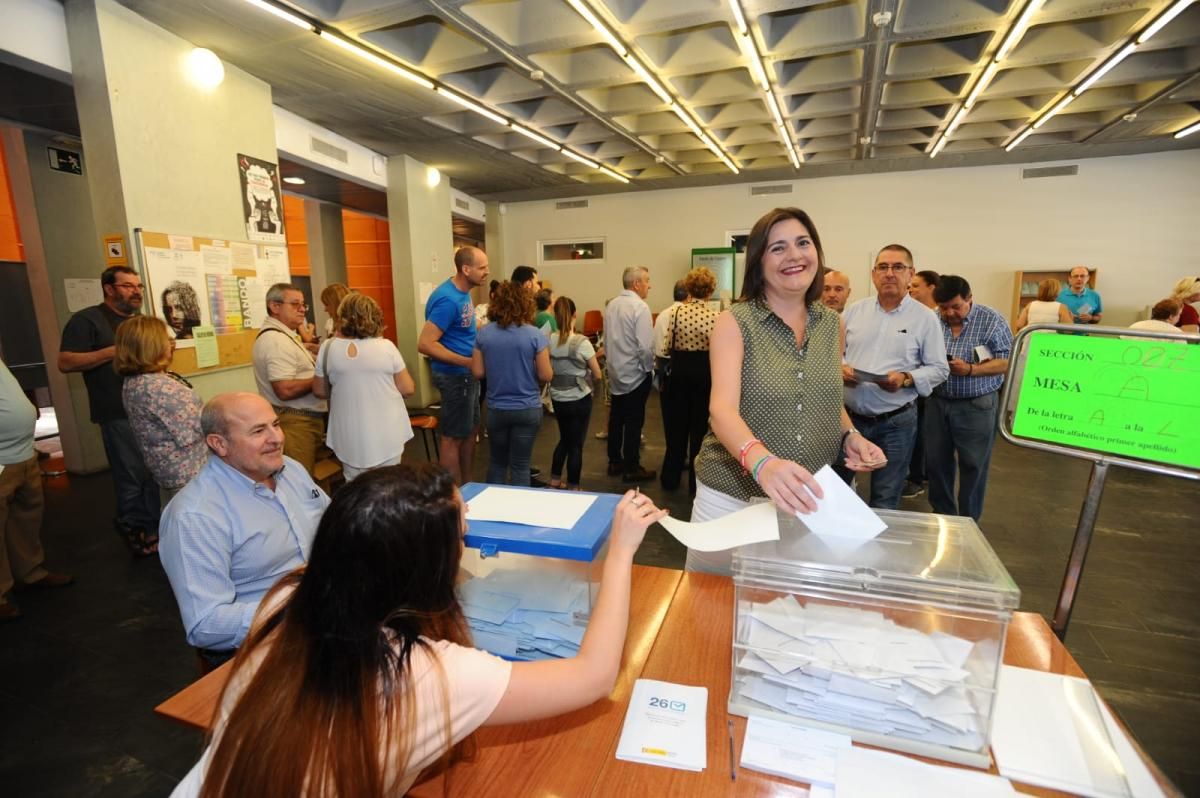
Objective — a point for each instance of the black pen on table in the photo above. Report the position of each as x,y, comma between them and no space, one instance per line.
732,761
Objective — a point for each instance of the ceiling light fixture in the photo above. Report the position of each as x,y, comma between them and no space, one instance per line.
739,19
647,78
981,84
471,105
538,137
1162,20
376,59
614,174
1121,55
773,107
295,181
577,157
1187,131
955,122
1061,104
282,13
938,147
1012,144
599,26
1018,29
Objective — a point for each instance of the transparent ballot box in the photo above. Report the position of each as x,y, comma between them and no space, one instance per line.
896,642
527,590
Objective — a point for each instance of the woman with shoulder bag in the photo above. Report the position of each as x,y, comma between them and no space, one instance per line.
573,359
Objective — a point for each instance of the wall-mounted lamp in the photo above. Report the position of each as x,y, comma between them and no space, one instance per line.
204,69
432,177
295,181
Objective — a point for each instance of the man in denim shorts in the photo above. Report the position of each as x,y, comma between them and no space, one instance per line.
448,340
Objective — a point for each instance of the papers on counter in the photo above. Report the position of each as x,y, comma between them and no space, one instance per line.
665,725
793,752
754,524
526,615
864,773
1049,730
858,669
554,509
841,513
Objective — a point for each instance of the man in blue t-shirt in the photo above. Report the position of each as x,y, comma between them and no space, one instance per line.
1083,302
448,340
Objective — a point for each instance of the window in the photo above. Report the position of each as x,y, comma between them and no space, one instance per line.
565,250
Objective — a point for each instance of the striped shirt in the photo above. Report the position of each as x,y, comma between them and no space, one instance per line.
981,327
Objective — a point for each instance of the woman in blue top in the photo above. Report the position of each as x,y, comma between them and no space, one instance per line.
512,353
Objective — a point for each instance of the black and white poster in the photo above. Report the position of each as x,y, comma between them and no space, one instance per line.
262,202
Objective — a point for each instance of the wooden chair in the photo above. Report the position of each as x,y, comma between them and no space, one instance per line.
428,425
327,473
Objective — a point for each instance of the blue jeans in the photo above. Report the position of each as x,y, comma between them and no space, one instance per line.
965,428
896,436
137,492
511,435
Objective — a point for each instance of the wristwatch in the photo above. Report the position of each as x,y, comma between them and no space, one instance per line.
908,381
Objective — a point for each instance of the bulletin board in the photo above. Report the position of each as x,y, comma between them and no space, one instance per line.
196,282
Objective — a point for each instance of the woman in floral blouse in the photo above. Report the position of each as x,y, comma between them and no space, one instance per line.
163,410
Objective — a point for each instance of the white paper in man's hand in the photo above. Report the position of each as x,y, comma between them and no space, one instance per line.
754,524
840,512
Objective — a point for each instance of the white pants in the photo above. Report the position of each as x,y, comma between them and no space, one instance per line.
708,505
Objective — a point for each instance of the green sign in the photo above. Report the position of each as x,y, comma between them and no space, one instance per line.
1136,398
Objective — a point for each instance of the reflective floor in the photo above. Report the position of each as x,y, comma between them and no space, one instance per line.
81,672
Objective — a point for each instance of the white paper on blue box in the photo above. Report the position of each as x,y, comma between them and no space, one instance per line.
557,510
791,751
665,725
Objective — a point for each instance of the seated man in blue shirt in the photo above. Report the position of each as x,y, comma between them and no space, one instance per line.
244,521
1083,302
894,353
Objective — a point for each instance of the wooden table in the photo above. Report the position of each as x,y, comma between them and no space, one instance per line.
701,619
680,628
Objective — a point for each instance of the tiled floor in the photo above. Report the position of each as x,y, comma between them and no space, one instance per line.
82,671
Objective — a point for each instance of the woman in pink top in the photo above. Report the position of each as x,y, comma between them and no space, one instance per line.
358,672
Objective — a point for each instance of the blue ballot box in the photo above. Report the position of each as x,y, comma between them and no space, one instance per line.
531,586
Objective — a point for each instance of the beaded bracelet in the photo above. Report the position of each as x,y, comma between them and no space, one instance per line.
762,461
745,450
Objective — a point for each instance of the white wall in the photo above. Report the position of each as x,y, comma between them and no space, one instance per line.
293,137
1136,218
36,30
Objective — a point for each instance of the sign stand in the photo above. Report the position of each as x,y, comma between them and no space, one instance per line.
1090,394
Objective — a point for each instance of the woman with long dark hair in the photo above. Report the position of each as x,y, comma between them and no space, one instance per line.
573,360
358,672
776,405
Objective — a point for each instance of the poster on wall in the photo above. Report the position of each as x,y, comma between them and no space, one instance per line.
178,280
262,201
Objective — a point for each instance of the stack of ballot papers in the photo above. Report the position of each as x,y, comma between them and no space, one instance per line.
527,615
1050,730
855,668
665,725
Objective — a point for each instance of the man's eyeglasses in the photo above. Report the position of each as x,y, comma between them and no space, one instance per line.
299,305
896,268
130,286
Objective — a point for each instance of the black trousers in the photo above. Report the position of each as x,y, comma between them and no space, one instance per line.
625,420
572,420
685,416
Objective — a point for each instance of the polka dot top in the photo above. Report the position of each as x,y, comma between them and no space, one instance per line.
690,327
791,396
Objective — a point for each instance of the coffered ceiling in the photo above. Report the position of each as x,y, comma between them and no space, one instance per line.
669,93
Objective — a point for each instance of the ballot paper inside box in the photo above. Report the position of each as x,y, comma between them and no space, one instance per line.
528,589
896,641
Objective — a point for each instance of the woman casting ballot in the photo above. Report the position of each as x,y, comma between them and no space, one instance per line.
359,673
776,405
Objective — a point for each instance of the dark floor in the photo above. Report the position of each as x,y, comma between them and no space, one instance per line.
81,672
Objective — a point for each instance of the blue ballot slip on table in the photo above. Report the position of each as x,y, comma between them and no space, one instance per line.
582,542
532,587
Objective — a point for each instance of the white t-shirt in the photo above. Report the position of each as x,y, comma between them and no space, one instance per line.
573,367
279,354
1043,312
368,420
475,683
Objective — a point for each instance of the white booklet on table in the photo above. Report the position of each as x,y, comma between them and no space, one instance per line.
665,725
